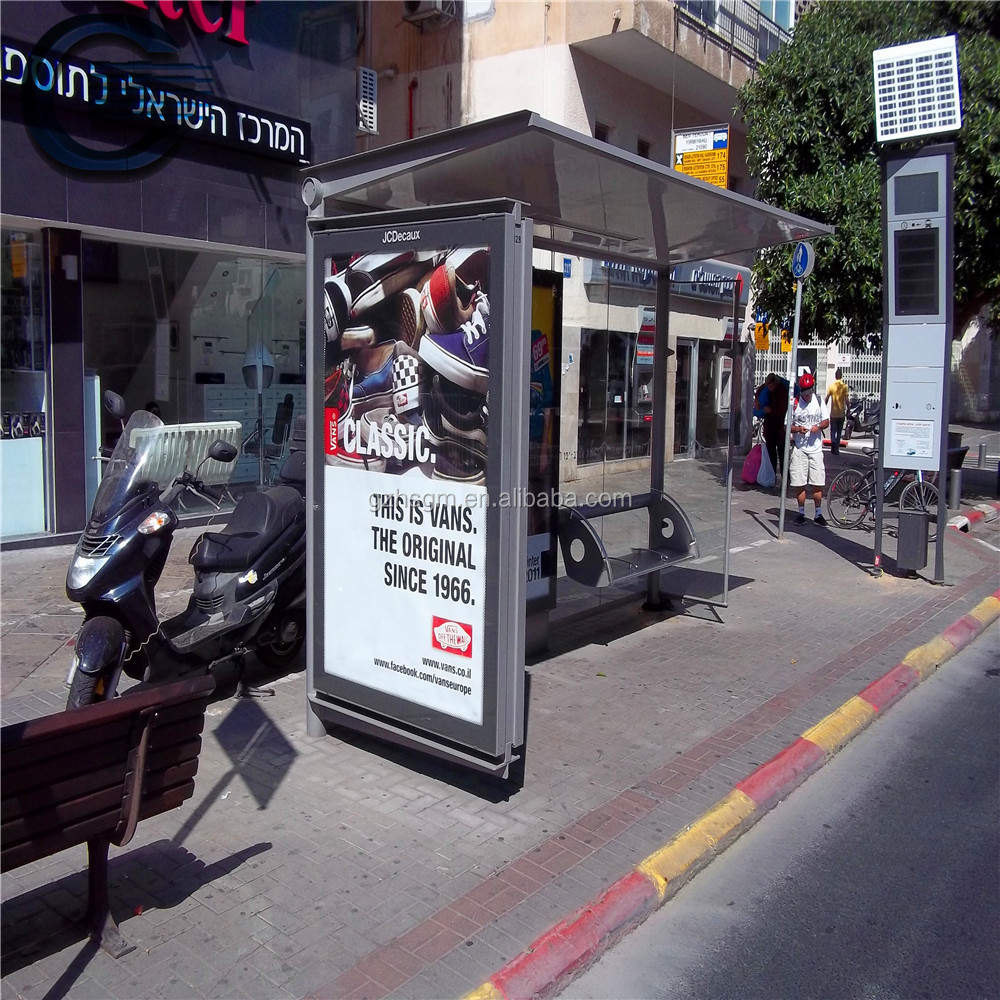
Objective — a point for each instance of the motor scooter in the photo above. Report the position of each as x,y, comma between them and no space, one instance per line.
249,577
862,417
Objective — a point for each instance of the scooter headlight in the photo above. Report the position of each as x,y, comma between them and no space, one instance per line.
154,522
83,569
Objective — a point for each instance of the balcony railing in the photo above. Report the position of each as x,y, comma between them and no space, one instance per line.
737,24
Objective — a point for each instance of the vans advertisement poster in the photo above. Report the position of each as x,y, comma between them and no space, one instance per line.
405,420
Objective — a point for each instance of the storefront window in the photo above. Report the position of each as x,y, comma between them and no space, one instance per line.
175,329
702,394
22,387
616,404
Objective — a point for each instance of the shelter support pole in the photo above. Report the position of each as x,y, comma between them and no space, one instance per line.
735,424
315,726
658,432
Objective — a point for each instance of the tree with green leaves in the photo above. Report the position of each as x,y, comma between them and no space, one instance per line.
810,113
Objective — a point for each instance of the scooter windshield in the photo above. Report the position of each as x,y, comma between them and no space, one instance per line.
127,473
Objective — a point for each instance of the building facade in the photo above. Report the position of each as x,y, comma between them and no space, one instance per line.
152,226
153,229
639,76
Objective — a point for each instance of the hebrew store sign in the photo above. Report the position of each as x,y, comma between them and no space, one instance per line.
53,81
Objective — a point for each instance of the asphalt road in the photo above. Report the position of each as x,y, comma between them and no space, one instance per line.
878,878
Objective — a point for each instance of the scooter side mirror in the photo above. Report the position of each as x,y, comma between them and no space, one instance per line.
114,404
222,451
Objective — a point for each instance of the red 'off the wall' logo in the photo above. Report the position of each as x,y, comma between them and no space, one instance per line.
236,28
451,636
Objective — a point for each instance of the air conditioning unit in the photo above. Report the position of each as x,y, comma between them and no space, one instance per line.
367,101
418,11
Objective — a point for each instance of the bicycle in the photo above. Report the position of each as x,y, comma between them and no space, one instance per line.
851,497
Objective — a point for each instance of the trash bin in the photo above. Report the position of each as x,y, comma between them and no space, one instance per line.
911,543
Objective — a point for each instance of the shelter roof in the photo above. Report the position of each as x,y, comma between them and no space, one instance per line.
585,197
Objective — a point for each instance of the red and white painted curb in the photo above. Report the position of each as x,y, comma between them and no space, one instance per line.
571,945
980,512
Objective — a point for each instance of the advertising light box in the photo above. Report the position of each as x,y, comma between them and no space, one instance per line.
420,405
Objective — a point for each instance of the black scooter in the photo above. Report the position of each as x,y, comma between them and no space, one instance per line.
862,417
250,577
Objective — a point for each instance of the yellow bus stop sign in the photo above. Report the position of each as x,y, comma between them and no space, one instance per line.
703,153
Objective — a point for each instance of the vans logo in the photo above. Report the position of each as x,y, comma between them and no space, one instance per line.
451,636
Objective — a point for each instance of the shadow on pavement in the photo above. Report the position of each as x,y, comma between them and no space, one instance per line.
859,553
158,876
491,788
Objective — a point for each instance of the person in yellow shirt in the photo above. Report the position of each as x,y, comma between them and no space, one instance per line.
836,397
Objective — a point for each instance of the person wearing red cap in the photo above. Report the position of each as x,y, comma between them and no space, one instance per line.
805,467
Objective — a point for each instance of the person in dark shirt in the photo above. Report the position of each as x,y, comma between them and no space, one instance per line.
773,401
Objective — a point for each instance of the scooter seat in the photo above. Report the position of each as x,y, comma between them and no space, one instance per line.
258,521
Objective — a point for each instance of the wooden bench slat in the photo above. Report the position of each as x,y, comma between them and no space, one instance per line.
59,840
165,778
78,766
164,802
37,750
189,709
62,814
165,756
41,796
178,731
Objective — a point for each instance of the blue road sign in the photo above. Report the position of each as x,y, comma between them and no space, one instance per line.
803,260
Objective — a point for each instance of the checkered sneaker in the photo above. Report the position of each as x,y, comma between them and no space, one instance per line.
406,383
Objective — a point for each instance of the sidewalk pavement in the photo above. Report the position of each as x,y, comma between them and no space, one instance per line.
339,867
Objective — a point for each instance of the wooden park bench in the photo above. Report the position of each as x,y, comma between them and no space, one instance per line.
91,774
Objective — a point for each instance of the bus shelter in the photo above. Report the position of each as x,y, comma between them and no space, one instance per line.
423,471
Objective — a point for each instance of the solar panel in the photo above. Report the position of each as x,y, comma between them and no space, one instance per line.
916,89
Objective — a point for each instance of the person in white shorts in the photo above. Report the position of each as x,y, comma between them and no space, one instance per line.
805,467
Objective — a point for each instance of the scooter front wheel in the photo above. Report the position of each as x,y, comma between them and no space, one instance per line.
84,691
100,648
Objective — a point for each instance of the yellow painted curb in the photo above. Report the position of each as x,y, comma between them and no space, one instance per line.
485,992
927,658
839,726
698,839
986,611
